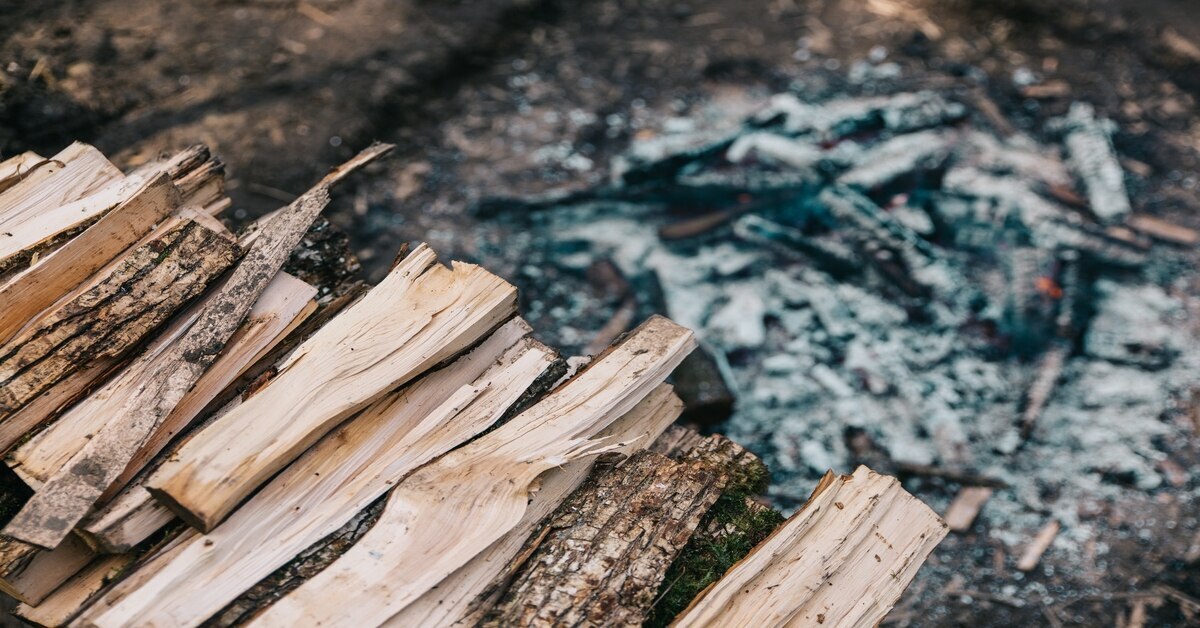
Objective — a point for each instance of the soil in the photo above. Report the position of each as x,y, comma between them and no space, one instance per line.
519,98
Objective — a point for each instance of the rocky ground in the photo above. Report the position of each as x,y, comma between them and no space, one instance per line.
520,99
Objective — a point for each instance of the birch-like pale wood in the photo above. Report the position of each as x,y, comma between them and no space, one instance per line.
68,495
146,287
421,314
33,290
17,167
328,486
29,573
76,188
46,453
842,560
16,427
463,597
67,600
450,511
966,506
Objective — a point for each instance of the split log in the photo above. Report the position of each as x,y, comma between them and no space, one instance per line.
29,573
112,315
284,303
824,565
67,600
34,290
17,167
56,201
70,494
16,428
133,515
419,315
450,511
325,488
605,552
467,595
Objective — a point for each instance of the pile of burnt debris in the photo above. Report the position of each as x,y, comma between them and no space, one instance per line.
893,280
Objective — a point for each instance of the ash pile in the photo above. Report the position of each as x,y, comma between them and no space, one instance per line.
889,280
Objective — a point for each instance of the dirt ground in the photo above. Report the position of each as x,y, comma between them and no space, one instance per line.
496,98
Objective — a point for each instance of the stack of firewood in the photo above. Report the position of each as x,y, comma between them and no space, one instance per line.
200,427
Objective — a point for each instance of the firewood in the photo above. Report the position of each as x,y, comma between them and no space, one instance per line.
17,167
60,606
842,560
326,487
30,573
608,548
39,287
420,315
115,313
133,515
57,200
16,428
68,495
470,592
448,512
285,300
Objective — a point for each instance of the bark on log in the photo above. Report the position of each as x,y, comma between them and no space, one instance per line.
607,549
110,317
486,485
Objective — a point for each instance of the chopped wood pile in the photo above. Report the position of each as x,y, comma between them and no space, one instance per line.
207,428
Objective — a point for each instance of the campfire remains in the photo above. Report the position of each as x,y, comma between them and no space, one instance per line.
203,428
906,282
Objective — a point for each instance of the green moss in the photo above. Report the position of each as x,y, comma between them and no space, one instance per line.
728,531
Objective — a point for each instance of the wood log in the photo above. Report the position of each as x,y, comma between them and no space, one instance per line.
326,487
67,600
283,304
68,495
17,167
605,552
133,515
112,315
30,292
18,427
450,511
418,316
30,573
56,201
825,565
467,595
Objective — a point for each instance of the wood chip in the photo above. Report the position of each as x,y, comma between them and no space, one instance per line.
966,506
1038,546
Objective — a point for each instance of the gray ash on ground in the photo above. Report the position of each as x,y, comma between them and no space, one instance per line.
892,282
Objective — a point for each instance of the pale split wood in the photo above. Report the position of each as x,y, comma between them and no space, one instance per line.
842,560
33,290
17,167
67,600
115,313
16,428
966,506
55,200
467,595
284,300
71,493
448,512
325,488
29,573
421,314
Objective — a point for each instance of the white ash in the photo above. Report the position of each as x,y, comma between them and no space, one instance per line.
818,358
